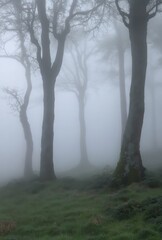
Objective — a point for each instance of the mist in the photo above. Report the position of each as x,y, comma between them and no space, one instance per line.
102,110
80,126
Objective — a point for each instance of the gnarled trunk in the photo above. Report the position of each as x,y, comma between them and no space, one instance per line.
47,166
130,168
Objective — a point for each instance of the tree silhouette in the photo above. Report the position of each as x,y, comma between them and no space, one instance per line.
130,168
18,103
75,79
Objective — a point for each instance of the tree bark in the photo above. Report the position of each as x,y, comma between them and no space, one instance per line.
49,76
49,72
130,168
83,146
28,171
47,166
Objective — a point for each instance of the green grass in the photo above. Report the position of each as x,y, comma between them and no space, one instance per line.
81,210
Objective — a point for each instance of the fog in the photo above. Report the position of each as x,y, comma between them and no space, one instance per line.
102,109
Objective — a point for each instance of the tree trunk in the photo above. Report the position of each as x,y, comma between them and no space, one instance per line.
28,172
47,166
83,147
130,168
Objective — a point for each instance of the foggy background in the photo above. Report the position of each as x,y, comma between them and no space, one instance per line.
102,111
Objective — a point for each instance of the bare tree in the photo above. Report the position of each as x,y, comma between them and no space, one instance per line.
20,104
43,23
75,79
130,168
17,104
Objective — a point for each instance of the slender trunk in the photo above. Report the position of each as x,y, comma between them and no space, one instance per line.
28,172
83,146
130,168
47,166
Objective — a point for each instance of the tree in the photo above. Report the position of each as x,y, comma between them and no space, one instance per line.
43,23
130,168
77,82
20,104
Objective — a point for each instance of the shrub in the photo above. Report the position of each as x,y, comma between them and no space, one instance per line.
153,208
127,210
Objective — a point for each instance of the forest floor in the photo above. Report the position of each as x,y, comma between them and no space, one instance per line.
80,210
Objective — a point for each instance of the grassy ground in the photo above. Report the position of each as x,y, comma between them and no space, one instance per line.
80,210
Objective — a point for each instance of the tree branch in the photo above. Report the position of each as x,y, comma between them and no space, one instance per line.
83,13
17,58
69,18
18,100
33,39
154,8
45,40
56,9
123,14
59,57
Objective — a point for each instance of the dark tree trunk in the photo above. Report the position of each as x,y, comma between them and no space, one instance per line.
49,71
121,59
47,166
83,146
130,168
49,76
28,172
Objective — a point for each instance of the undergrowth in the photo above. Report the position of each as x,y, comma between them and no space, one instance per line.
86,209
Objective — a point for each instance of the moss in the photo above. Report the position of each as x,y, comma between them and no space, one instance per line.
152,180
153,209
55,212
127,170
